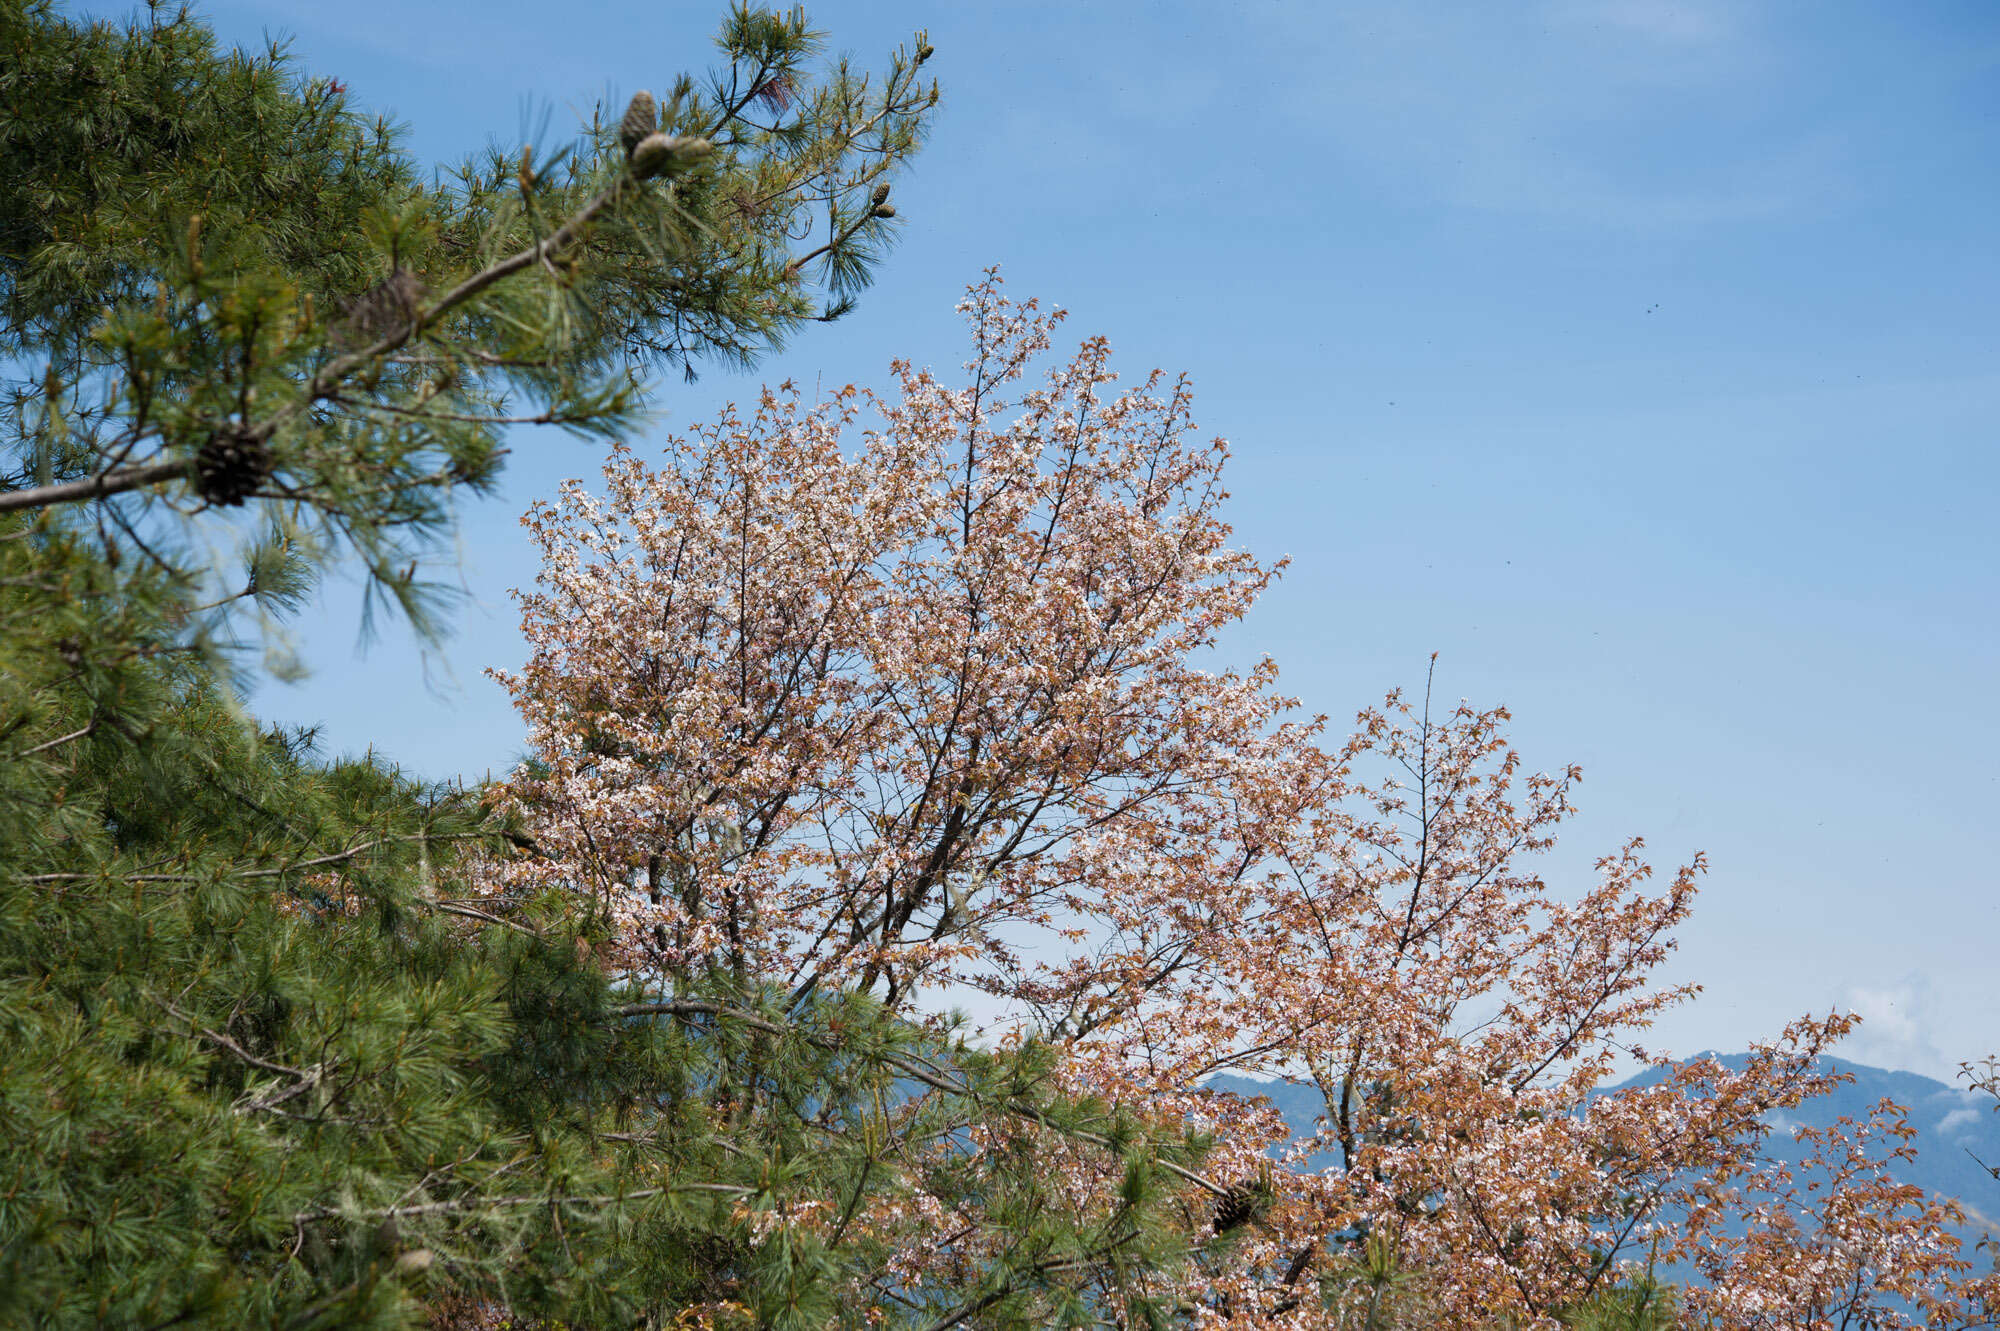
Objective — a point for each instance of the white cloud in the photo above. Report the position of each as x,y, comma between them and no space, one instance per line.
1958,1120
1897,1025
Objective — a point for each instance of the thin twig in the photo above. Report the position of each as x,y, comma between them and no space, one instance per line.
336,857
481,1203
59,739
453,908
419,413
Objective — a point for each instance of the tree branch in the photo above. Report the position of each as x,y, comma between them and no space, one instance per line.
119,480
912,1068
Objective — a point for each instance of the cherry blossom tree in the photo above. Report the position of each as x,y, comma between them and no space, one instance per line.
918,697
1835,1240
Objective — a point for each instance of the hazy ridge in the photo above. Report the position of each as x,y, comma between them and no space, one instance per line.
1953,1126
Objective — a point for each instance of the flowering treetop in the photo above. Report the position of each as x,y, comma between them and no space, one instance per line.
905,693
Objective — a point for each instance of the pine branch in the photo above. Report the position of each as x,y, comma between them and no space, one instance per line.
321,861
909,1067
323,385
462,1205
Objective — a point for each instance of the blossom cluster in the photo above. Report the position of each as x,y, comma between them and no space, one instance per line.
916,694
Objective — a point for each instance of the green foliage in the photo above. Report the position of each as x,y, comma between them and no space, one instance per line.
262,1070
1371,1288
221,286
113,138
1641,1305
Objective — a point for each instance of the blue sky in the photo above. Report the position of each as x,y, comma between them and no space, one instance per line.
1636,357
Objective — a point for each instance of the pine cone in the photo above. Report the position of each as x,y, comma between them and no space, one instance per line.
1235,1208
642,117
1244,1202
385,308
667,154
880,196
230,467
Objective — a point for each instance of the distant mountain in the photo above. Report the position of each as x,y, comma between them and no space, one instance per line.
1300,1105
1953,1126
